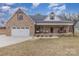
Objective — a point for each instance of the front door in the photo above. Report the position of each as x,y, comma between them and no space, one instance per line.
51,29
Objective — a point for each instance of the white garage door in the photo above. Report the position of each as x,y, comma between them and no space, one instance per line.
23,31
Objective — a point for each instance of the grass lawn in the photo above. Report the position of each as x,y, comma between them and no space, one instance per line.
60,46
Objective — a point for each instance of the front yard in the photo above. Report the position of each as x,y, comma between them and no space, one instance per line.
49,46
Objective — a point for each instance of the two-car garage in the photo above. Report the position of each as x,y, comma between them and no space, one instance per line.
20,25
20,31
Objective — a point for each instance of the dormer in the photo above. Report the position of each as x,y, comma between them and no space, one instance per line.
52,15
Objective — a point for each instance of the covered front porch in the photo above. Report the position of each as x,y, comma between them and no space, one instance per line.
52,30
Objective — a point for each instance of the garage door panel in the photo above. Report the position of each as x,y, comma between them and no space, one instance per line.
20,32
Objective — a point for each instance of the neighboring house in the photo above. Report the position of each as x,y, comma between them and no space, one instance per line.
77,27
21,24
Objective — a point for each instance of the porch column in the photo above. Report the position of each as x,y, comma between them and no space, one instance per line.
73,29
67,29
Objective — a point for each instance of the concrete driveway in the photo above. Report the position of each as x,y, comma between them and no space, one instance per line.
6,41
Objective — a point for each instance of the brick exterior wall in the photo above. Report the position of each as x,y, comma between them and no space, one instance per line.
2,31
14,21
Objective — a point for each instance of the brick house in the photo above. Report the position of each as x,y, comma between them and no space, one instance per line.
21,24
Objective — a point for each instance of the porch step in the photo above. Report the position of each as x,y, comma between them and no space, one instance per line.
52,35
46,37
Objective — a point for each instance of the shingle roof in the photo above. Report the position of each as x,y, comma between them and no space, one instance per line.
37,18
42,19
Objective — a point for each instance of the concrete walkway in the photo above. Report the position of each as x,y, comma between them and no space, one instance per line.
6,41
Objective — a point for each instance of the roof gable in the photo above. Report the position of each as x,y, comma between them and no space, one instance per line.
15,18
19,10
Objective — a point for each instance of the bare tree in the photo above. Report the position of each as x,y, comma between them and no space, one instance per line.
75,19
72,17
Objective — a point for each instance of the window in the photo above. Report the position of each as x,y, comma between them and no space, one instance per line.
18,27
37,29
20,17
61,30
14,27
51,17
